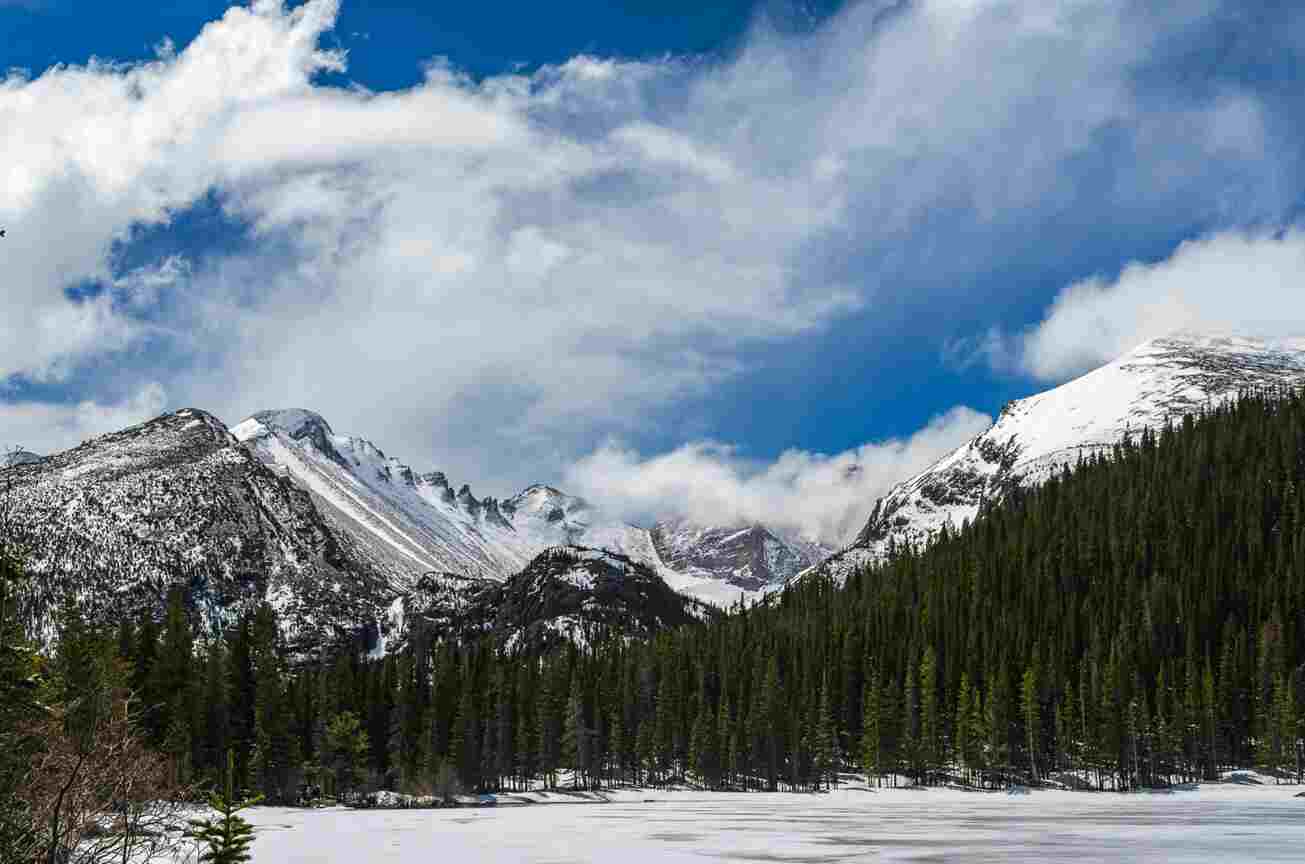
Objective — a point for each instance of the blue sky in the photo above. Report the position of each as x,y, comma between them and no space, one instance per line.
650,241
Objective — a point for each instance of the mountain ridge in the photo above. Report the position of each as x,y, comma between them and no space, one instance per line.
118,521
1158,382
411,523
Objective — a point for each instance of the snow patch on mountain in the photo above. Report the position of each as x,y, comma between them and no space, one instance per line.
749,557
121,519
1033,438
18,457
410,523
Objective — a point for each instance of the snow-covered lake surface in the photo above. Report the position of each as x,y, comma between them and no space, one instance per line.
1223,824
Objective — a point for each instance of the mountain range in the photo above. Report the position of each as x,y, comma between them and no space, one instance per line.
406,523
342,538
339,537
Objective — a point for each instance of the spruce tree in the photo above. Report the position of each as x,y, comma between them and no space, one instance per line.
930,721
227,837
964,756
1031,712
346,742
575,742
872,726
617,746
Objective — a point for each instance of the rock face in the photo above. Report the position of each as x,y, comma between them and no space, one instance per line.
567,593
408,524
1033,438
749,557
178,501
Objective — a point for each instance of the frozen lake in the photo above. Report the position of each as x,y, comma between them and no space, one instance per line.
1222,824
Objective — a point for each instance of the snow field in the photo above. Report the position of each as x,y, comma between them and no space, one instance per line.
1226,823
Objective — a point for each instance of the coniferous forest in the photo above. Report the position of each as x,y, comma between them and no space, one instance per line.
1138,621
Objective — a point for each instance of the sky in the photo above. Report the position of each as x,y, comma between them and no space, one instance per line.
731,261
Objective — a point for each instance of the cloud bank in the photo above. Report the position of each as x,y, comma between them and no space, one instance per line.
825,498
493,276
1247,283
45,428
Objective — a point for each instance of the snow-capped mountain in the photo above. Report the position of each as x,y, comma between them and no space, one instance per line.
332,543
119,520
750,556
327,527
408,523
1033,438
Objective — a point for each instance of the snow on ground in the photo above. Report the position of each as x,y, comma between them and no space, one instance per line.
1225,823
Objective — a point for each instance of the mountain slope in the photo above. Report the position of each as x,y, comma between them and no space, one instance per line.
1157,383
407,524
410,523
181,502
18,457
177,501
565,593
750,557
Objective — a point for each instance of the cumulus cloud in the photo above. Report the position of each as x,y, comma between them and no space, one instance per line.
824,498
45,428
492,275
88,153
1247,283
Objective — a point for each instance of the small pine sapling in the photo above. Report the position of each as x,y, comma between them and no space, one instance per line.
228,837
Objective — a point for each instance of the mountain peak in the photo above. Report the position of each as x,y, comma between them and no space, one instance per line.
298,423
467,501
1156,383
544,498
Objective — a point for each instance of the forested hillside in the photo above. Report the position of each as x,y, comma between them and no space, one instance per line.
1135,621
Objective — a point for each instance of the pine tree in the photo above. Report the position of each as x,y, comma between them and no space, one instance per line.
525,746
275,752
995,724
346,742
1031,711
1067,714
575,744
1209,722
909,734
930,721
174,687
872,727
548,727
964,743
698,748
617,745
822,737
229,836
664,730
645,750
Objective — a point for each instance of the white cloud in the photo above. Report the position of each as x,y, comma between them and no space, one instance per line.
817,496
493,275
1249,283
86,153
44,428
